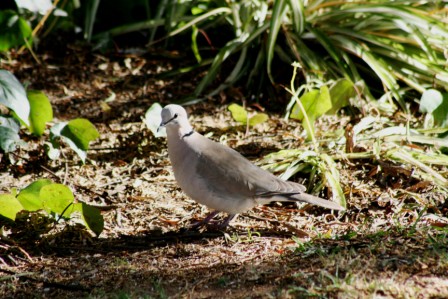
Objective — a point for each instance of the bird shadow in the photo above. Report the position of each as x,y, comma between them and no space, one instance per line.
76,239
67,242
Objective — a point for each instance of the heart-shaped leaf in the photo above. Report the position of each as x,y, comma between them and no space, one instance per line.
340,94
92,217
153,118
258,119
57,198
76,133
81,131
40,113
9,136
13,96
10,122
238,113
9,206
29,197
315,104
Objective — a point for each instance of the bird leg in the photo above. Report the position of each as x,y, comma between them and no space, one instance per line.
218,225
204,221
226,221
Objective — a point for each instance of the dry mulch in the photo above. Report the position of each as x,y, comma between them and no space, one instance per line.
379,248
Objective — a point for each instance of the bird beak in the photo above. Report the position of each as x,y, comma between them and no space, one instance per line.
162,125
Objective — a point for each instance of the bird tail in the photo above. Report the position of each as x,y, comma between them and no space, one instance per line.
308,198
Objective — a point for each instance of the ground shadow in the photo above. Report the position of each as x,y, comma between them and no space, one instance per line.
160,264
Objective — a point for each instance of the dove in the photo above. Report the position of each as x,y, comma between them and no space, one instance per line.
219,177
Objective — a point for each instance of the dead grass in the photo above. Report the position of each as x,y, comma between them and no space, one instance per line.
380,248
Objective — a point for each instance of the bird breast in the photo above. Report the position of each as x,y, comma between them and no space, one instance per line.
184,161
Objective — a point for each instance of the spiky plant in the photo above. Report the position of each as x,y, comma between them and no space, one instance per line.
392,46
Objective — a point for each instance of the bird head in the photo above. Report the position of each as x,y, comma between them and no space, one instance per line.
174,116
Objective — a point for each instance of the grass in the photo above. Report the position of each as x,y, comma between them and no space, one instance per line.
371,264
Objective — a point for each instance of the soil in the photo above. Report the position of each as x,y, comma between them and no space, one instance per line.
382,247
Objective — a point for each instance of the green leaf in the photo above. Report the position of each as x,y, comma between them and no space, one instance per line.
52,151
441,113
315,102
258,119
52,147
15,30
10,122
278,12
205,16
57,198
239,114
13,95
55,136
331,173
41,111
431,99
223,54
194,43
153,118
9,206
334,51
340,94
56,130
77,133
196,10
92,217
297,16
9,134
236,73
90,17
9,139
81,132
29,197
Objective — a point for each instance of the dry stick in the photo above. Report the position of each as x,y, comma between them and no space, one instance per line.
41,23
41,166
25,253
10,243
11,276
31,51
66,168
55,20
49,171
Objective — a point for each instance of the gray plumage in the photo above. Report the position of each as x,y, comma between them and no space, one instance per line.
219,177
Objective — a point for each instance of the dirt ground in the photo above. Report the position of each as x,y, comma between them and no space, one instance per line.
380,248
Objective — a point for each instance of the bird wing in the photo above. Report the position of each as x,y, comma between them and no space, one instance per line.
226,171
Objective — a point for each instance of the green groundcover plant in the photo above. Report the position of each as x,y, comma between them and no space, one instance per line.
32,111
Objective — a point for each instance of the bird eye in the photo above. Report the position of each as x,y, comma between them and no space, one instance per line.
175,115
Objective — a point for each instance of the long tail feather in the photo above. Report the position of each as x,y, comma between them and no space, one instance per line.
303,197
317,201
